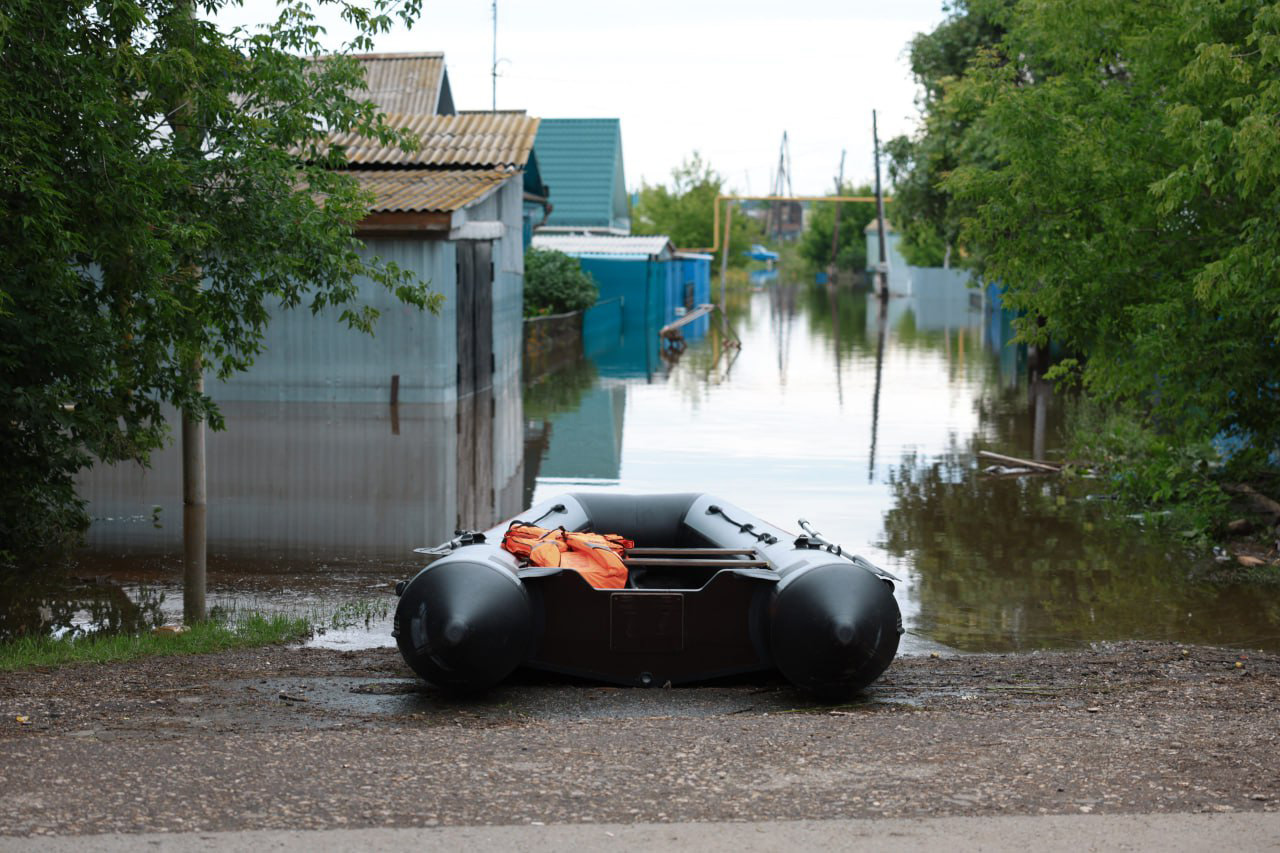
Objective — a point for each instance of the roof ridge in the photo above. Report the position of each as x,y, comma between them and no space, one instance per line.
427,54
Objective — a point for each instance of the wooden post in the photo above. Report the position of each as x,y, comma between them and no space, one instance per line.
883,270
724,256
1040,389
495,56
194,512
395,404
882,330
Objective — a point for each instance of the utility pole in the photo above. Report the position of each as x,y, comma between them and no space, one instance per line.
781,187
882,270
835,226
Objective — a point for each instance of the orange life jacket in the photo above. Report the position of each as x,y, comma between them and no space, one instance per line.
595,556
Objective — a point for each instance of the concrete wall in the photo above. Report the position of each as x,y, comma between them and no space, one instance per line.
550,343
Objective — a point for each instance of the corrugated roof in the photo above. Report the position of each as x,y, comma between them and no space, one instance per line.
581,164
406,82
491,140
601,244
423,190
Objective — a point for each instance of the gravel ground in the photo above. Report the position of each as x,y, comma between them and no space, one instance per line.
317,739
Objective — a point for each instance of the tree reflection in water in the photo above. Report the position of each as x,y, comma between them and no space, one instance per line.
52,602
1005,563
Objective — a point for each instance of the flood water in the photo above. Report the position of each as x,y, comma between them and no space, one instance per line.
864,422
873,437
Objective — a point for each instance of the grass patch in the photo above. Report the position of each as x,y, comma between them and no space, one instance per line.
214,636
350,614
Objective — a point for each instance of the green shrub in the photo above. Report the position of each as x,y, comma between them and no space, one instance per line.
555,283
1151,469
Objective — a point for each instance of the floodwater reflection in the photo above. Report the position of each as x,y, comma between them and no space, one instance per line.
314,510
866,417
1009,563
861,416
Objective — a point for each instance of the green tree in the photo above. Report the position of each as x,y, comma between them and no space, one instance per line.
163,182
1132,201
851,254
927,216
685,211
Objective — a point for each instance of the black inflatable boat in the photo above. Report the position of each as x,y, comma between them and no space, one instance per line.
711,591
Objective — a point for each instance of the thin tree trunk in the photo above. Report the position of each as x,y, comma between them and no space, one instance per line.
194,513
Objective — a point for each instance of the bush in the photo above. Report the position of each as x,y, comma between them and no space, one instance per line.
555,283
1152,470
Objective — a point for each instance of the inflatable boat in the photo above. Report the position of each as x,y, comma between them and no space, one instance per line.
710,591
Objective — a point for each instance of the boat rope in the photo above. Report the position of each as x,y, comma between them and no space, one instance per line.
749,529
534,523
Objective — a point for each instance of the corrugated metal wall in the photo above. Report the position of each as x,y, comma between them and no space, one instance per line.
314,459
691,288
625,278
506,206
315,358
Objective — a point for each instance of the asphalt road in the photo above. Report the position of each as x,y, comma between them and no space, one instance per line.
1165,833
1147,745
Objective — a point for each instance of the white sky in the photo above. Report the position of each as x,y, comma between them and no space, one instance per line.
725,77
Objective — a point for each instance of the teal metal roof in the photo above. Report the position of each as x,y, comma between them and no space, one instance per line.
581,164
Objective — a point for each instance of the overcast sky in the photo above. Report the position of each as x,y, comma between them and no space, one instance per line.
725,77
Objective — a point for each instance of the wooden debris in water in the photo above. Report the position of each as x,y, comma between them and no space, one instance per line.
1043,467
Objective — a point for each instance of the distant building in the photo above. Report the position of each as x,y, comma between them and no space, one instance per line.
580,160
644,282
